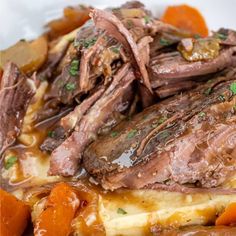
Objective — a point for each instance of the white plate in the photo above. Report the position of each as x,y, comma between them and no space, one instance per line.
25,18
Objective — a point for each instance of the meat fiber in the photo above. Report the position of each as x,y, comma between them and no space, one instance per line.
190,138
16,92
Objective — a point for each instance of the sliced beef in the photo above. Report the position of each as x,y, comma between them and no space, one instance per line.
113,26
68,122
16,92
56,137
190,138
173,65
170,73
65,159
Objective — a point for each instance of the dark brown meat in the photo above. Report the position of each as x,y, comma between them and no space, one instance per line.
16,92
172,66
190,138
56,137
65,159
113,26
68,122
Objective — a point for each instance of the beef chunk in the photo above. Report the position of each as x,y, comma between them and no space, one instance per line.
16,92
189,138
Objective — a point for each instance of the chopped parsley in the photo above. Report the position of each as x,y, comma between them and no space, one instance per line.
233,88
74,67
164,134
121,211
221,98
114,134
51,133
221,36
87,43
162,120
132,133
70,86
10,162
164,42
147,19
115,49
130,23
159,122
196,36
208,91
201,114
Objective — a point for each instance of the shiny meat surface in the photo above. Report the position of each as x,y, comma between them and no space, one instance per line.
187,139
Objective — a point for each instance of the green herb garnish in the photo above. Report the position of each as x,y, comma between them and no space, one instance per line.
114,134
121,211
51,133
201,114
89,42
164,134
196,36
164,42
221,36
233,88
132,133
208,91
129,23
74,67
147,19
221,97
115,49
10,162
70,86
162,120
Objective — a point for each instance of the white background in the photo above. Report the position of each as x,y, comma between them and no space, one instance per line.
25,18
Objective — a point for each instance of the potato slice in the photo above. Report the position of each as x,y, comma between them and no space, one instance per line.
28,56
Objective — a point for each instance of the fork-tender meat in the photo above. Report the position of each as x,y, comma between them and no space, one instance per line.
190,138
113,26
172,65
65,159
16,92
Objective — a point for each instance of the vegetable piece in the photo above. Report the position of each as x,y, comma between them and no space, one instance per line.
14,215
202,49
10,161
61,207
121,211
28,56
73,18
228,217
233,88
186,18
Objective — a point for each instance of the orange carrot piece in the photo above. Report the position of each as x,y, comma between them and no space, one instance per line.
186,18
228,217
72,19
14,215
60,210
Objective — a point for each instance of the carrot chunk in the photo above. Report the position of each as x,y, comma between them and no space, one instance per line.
14,215
186,18
228,217
61,207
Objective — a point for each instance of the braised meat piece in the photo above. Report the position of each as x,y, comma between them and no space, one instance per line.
65,159
190,138
16,91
